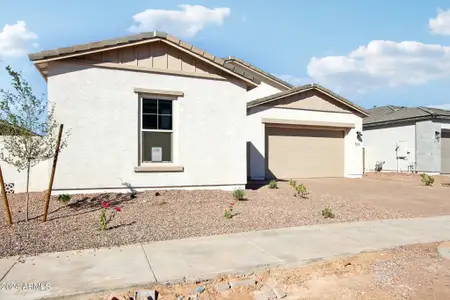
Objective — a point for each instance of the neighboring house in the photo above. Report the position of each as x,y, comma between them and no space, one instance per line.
402,139
154,112
15,180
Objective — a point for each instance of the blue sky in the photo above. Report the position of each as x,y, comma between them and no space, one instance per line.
372,52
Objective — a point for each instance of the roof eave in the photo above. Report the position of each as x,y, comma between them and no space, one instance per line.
256,70
54,55
305,88
430,116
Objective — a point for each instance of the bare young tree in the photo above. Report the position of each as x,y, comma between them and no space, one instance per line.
32,130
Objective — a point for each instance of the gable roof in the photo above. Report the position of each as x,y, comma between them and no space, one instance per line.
104,45
239,61
390,114
7,128
304,88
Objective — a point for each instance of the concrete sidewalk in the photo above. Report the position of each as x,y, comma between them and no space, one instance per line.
74,272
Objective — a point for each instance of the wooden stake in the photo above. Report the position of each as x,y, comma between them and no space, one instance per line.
5,199
52,176
364,160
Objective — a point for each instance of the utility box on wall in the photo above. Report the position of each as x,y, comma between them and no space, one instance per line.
402,150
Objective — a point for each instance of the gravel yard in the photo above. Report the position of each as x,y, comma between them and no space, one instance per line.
409,178
173,214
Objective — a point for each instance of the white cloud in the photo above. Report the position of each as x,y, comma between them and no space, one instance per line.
440,25
382,64
294,80
183,23
16,39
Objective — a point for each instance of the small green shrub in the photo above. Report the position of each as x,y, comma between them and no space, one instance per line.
64,198
239,194
293,183
301,190
228,214
426,179
273,184
327,213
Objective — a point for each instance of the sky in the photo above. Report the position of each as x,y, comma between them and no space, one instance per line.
372,52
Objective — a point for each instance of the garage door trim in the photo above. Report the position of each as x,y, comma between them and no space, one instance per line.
274,122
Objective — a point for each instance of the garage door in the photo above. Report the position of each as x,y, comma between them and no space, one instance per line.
445,152
304,153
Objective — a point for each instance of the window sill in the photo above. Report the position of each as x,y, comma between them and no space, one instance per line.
149,168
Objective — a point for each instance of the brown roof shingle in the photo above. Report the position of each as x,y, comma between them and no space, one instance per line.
230,59
391,114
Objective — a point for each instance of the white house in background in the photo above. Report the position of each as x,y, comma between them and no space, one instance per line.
15,180
406,139
154,112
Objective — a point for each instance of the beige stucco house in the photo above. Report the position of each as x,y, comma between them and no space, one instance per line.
154,112
305,132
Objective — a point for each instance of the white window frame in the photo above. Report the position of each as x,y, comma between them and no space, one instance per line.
145,166
142,130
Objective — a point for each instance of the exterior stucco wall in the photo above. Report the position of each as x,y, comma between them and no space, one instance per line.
428,148
380,144
39,174
444,124
256,136
101,108
262,90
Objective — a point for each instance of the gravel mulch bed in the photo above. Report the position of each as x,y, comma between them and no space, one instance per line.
411,178
166,215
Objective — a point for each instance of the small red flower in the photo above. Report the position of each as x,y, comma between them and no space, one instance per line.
105,204
117,208
232,204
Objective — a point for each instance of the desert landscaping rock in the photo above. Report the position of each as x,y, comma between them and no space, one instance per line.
260,295
222,287
267,291
145,295
196,290
242,282
444,249
178,214
279,292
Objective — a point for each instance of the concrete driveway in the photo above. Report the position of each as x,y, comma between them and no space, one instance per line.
401,194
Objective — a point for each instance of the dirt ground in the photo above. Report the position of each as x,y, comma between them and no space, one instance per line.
412,272
402,191
165,215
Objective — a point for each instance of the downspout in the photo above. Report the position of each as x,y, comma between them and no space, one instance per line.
396,155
